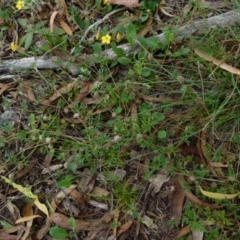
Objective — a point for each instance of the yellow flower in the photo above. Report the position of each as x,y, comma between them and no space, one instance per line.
105,2
119,36
20,4
106,39
98,35
14,47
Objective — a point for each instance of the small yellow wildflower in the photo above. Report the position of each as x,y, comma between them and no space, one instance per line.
119,36
98,35
105,2
106,39
14,47
20,4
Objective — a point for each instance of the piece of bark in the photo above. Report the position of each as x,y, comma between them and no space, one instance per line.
220,21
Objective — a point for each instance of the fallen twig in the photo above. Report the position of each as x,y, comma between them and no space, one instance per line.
220,21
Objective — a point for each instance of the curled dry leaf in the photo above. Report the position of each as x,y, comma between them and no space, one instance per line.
162,8
51,23
127,3
52,168
158,181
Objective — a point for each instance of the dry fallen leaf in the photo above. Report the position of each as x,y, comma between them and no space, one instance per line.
158,181
178,197
148,222
61,195
218,195
124,227
27,192
194,200
25,170
184,231
6,236
52,168
63,221
26,219
78,198
99,192
218,63
59,92
6,87
66,28
27,90
163,7
51,23
218,165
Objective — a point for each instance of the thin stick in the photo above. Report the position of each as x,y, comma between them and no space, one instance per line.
99,22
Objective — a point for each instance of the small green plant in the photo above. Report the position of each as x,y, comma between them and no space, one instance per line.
192,219
125,195
58,233
30,30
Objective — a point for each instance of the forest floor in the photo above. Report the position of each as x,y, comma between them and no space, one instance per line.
119,119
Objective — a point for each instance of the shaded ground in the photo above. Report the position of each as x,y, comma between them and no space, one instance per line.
121,150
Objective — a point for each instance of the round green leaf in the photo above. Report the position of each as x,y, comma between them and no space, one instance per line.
162,134
146,72
58,233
